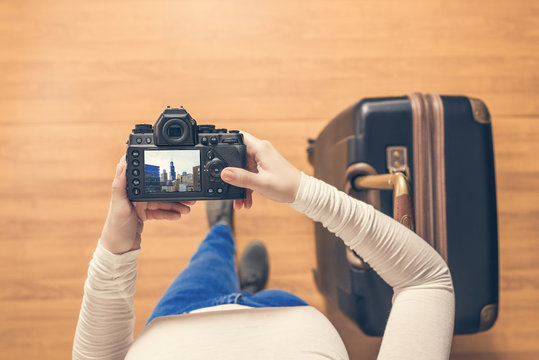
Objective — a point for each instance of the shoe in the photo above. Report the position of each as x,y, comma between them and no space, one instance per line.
220,211
253,269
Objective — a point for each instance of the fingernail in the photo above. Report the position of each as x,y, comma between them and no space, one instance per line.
226,175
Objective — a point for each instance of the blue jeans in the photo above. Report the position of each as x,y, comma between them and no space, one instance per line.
210,279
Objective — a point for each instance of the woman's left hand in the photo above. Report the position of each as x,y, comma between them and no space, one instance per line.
123,227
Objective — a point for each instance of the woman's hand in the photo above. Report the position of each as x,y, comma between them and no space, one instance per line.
123,227
268,173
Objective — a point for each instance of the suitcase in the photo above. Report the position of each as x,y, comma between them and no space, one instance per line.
428,161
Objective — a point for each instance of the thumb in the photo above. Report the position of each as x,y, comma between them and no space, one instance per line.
119,182
240,177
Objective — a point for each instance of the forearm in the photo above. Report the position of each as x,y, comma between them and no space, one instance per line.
423,307
106,320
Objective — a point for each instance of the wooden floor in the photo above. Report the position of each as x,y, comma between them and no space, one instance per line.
76,76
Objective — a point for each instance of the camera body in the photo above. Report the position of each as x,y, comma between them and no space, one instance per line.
176,160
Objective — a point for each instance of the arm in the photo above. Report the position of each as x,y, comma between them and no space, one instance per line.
420,325
106,320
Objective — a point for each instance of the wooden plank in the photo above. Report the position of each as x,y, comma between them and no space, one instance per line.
76,77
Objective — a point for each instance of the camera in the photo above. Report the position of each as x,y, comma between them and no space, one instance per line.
178,160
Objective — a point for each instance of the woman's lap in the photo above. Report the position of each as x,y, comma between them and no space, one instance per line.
210,279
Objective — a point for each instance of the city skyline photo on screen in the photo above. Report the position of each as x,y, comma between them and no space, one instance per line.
172,170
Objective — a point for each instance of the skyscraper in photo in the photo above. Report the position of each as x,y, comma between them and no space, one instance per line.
164,177
172,171
152,184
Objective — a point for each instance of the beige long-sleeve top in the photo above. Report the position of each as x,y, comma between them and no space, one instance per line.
420,325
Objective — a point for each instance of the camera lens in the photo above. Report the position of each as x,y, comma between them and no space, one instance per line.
174,131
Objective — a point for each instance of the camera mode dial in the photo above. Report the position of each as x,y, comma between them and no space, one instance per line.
205,129
142,129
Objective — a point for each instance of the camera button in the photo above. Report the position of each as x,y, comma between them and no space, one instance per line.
210,155
135,162
210,191
214,140
214,168
135,153
148,140
139,140
135,172
136,191
204,140
219,190
136,182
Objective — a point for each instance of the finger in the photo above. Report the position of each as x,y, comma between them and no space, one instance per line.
140,227
165,205
244,203
251,164
248,202
162,215
119,182
170,206
156,205
254,145
250,140
240,177
180,208
123,159
238,204
140,209
152,206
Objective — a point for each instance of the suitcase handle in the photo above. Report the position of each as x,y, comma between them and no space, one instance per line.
360,177
398,182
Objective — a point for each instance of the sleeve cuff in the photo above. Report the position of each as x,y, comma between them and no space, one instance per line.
105,256
304,195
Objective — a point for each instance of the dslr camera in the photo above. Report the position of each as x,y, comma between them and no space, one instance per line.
178,160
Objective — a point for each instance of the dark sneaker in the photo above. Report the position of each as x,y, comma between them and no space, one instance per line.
253,269
220,211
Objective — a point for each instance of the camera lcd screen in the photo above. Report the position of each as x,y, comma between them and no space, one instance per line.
171,171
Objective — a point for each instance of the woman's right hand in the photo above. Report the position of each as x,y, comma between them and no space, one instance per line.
268,173
123,227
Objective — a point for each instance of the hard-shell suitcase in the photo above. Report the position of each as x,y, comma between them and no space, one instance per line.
436,154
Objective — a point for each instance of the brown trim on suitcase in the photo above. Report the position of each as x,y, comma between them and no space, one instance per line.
429,170
438,173
421,168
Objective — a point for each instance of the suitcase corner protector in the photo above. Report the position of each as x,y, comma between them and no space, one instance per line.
488,316
479,111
